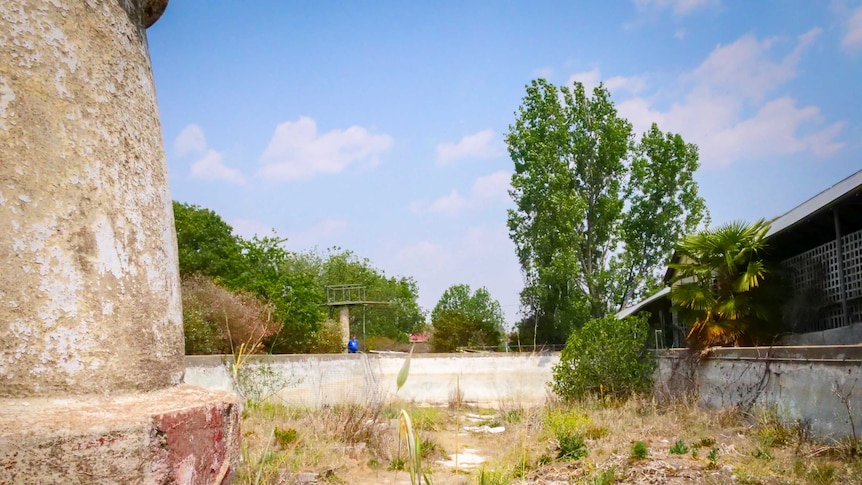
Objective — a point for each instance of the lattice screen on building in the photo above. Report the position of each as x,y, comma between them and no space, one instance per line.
816,285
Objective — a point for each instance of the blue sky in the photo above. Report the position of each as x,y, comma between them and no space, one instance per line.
378,126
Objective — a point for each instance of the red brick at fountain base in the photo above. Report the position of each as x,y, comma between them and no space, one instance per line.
182,434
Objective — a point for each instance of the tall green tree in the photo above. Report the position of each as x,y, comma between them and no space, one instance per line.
597,212
205,242
464,318
718,286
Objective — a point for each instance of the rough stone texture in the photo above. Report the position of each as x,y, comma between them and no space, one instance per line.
89,290
804,384
182,435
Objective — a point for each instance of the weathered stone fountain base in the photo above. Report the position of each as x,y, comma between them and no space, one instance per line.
182,435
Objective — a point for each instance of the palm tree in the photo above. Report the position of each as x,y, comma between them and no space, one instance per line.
717,286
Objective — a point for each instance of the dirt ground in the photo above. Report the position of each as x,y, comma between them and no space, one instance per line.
635,442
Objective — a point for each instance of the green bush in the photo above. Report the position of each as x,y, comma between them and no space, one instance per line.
679,448
639,451
572,446
607,356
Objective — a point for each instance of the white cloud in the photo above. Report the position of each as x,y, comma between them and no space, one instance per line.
296,150
209,164
678,7
482,256
448,204
211,167
485,190
493,186
853,38
483,144
590,79
543,72
728,111
190,140
322,234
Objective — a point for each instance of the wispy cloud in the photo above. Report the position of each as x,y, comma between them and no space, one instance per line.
211,167
190,140
616,84
852,40
297,151
483,144
678,7
481,256
729,108
485,189
209,163
323,233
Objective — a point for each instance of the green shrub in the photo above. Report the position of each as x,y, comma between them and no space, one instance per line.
563,420
639,451
607,356
572,446
284,437
679,448
608,476
712,457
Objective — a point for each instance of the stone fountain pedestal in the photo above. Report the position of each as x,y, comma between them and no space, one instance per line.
91,337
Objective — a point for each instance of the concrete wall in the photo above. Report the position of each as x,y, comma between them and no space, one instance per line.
849,335
803,383
312,380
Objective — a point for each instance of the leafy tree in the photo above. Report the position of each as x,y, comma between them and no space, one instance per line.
597,212
269,271
607,356
718,286
463,318
290,285
397,319
205,242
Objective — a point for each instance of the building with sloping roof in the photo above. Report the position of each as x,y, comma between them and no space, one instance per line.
818,246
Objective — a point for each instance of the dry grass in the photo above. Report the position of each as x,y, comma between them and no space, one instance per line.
358,445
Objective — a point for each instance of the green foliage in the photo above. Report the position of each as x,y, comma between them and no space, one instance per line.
205,243
712,458
822,474
608,476
572,446
284,437
563,420
679,448
493,477
718,286
639,451
465,319
396,320
289,284
584,190
608,357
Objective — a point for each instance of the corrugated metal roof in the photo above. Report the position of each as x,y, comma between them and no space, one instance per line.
637,306
820,201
